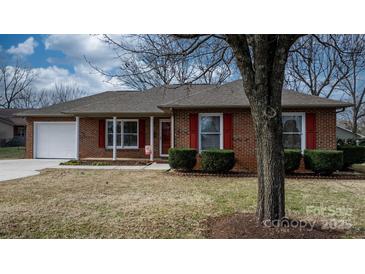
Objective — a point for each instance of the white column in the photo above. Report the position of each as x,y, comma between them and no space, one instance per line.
172,125
114,138
77,138
151,137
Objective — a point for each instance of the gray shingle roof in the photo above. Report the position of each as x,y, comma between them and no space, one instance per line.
155,100
10,117
232,95
112,102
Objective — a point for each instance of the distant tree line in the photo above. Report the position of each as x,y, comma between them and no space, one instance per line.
17,89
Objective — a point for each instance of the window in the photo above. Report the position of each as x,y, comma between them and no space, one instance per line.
293,130
210,129
20,131
130,134
127,133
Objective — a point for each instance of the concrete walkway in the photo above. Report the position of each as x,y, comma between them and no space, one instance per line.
14,169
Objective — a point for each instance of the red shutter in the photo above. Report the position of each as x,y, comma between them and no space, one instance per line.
142,133
102,133
310,137
194,130
227,131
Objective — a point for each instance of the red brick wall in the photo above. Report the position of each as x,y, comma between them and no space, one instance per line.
326,129
89,135
244,136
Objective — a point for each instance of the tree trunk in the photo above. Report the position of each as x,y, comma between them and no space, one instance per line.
270,166
261,60
354,120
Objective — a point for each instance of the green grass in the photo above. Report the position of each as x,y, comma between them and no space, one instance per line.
359,167
142,204
12,152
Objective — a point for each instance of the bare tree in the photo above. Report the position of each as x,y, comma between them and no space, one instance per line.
145,62
315,65
29,98
60,93
14,81
261,61
353,85
322,65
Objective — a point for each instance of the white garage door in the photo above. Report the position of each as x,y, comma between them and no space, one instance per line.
54,139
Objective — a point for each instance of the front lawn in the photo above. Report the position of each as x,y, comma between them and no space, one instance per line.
12,152
120,204
359,167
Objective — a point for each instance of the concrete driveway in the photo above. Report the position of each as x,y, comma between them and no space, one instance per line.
14,169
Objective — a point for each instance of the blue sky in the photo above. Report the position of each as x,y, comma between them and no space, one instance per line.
61,59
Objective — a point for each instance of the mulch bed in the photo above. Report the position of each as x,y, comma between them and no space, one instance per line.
109,163
244,226
346,175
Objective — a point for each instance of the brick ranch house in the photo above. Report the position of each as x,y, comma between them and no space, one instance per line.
126,124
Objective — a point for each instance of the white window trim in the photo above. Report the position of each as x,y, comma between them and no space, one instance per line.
302,114
221,128
121,134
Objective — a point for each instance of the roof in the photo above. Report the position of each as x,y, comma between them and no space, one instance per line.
157,100
127,102
349,131
232,95
10,117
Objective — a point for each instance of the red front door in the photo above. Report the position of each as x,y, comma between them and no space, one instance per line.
165,137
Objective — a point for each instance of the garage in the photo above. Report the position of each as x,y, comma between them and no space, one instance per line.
54,140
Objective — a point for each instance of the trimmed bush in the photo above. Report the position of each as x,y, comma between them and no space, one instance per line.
16,141
182,158
292,159
352,155
217,160
323,162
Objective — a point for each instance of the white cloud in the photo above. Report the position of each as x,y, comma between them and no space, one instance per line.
77,47
47,78
25,48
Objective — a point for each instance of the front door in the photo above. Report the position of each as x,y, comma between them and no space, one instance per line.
165,137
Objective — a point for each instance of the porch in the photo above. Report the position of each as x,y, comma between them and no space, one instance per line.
123,138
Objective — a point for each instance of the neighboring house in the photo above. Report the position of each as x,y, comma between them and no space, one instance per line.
12,127
120,124
346,134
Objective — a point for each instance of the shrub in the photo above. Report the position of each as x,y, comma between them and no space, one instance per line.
217,160
352,155
182,158
71,163
323,162
16,141
292,159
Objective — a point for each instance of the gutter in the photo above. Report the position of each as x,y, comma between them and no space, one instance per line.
341,110
343,107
